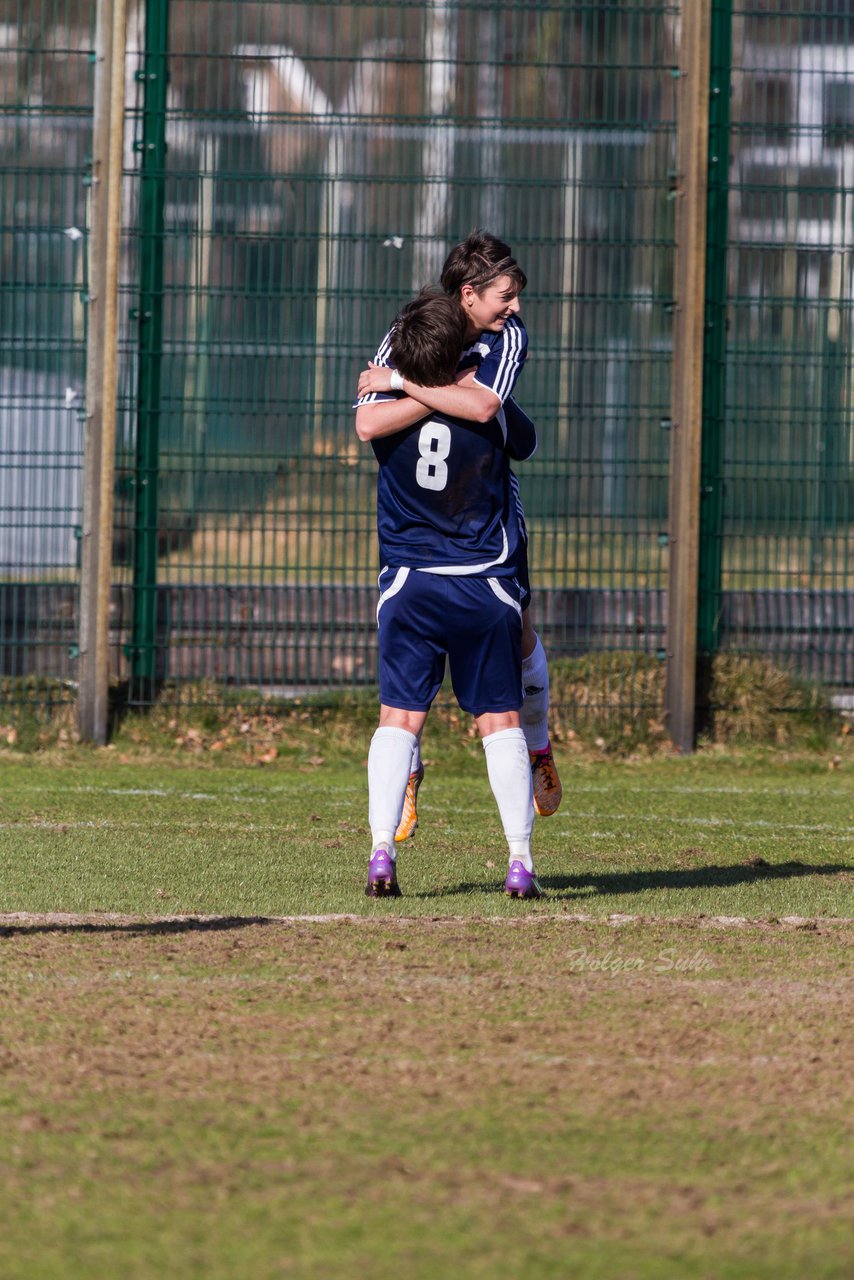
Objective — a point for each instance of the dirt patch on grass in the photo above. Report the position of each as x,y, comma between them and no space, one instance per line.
19,922
588,1076
168,1001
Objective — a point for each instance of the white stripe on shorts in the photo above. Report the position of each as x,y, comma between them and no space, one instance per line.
504,595
397,585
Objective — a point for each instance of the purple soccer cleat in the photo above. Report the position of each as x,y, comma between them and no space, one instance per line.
382,876
522,883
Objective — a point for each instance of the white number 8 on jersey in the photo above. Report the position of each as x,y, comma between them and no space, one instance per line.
434,445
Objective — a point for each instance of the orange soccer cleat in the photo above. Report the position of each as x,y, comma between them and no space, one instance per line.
409,817
547,789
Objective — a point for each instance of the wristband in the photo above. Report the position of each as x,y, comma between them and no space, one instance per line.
396,382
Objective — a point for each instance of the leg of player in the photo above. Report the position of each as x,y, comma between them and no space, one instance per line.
409,816
535,725
389,760
509,770
535,720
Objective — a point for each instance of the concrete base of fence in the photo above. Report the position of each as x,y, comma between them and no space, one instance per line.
326,635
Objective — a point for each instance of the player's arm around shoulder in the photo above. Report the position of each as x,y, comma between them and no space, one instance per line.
462,399
521,432
376,418
379,410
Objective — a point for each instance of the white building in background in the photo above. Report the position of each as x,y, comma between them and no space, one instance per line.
792,203
279,88
40,471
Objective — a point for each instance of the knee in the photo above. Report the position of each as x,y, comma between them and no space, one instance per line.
397,718
497,722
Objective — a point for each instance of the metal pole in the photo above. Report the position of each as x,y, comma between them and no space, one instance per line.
101,370
152,145
328,257
197,326
687,375
440,55
714,354
573,172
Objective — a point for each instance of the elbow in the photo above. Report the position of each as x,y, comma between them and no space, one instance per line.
363,431
487,409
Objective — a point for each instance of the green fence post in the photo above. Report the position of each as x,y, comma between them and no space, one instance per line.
152,145
714,356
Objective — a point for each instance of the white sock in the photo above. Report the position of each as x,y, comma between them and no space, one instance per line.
416,757
509,767
535,709
389,763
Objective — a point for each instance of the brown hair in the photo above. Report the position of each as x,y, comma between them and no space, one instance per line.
478,260
427,338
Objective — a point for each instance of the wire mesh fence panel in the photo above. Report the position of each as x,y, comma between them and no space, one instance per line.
320,160
782,544
292,174
45,141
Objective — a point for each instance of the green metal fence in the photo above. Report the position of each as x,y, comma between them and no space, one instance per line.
45,132
292,173
778,550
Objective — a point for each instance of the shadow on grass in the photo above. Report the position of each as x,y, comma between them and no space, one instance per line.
189,924
614,883
714,877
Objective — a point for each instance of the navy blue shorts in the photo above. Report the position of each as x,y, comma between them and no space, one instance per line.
475,622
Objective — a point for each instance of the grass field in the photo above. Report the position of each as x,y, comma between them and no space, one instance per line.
220,1059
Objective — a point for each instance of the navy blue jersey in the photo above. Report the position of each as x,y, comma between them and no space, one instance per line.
498,357
445,503
446,498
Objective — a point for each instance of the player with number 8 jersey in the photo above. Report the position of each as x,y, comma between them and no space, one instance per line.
474,525
448,533
483,276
